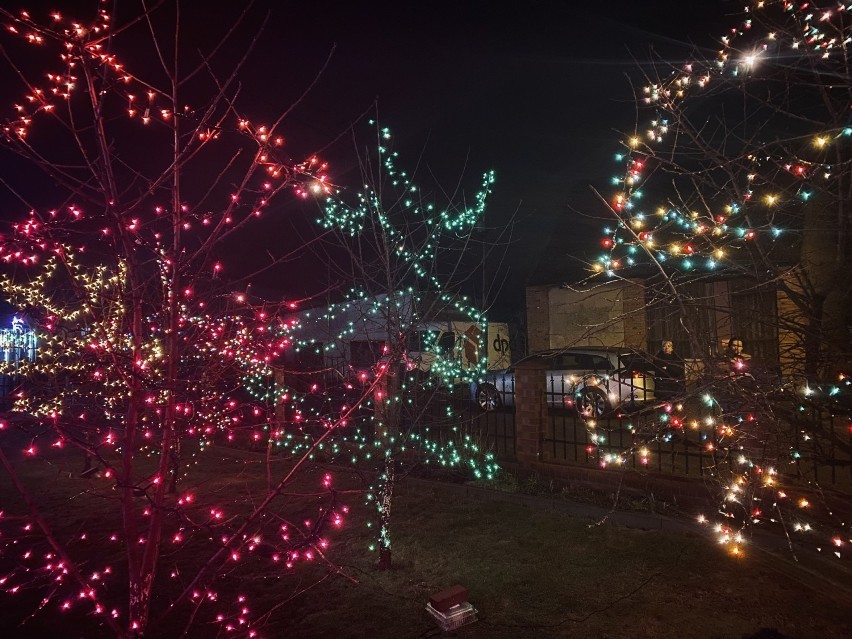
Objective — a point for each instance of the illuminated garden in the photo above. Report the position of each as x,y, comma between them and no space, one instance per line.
186,454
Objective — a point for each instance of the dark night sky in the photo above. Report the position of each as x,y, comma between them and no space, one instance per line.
533,90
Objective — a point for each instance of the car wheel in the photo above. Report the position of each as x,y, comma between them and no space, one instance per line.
487,397
592,402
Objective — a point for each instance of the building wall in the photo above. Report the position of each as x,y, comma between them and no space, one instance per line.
611,314
623,313
538,318
635,317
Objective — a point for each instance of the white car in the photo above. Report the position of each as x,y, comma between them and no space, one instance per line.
594,381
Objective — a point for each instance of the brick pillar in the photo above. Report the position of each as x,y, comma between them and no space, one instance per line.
530,411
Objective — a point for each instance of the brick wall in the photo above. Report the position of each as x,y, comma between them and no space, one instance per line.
538,318
611,314
635,317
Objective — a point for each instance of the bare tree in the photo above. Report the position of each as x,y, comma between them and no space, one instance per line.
732,212
748,154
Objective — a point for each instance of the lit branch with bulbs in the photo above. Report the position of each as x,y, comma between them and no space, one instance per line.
740,167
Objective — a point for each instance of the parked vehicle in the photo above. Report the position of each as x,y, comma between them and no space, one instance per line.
349,340
594,381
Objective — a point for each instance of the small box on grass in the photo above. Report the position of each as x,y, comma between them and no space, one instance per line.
455,617
446,599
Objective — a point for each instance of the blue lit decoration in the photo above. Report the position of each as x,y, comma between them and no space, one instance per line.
18,343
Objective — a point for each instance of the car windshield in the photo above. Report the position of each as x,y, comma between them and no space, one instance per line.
581,362
636,361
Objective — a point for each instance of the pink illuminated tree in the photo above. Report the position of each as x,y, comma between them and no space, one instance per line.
152,169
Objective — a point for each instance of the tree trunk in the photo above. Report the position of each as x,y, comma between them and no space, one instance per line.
174,466
385,500
387,431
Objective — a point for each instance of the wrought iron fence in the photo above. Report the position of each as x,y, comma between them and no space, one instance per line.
696,449
822,452
621,441
647,440
813,445
456,419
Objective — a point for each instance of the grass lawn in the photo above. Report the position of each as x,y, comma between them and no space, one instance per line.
530,572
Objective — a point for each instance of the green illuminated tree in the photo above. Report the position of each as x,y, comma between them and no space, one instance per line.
404,260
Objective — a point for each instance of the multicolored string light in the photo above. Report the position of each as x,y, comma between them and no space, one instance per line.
731,193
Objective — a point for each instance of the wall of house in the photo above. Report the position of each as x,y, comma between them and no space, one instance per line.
628,313
538,318
611,314
635,317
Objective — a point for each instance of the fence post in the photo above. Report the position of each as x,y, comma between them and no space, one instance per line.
530,412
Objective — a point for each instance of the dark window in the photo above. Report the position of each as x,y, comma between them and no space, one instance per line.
599,363
566,362
447,343
755,320
580,362
666,319
310,358
415,341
